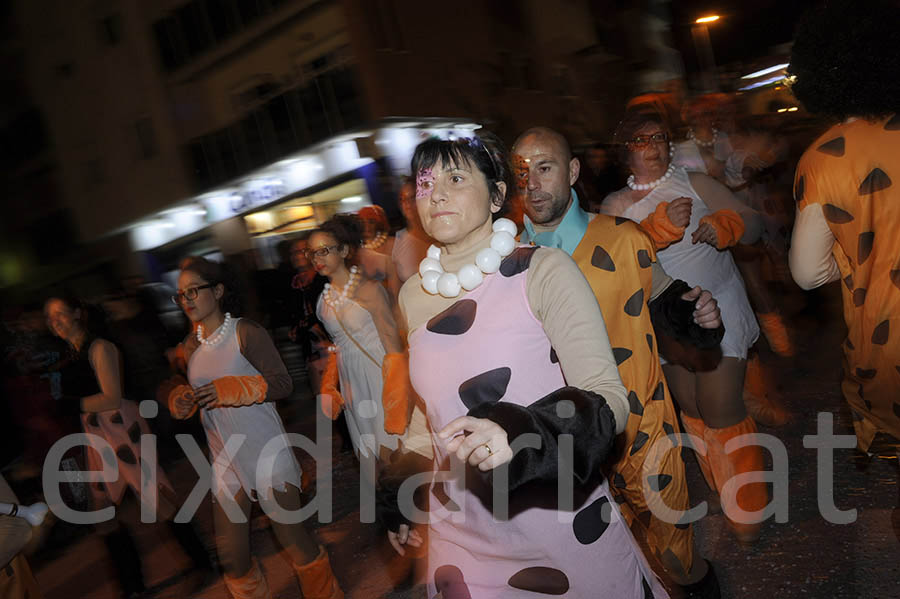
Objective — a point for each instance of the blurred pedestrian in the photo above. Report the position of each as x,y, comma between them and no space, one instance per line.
845,66
376,248
92,382
693,219
235,374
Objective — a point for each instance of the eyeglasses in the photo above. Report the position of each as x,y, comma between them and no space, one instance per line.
642,141
321,252
190,293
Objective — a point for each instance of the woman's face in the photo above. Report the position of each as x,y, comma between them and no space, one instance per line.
63,321
650,159
454,202
206,301
326,254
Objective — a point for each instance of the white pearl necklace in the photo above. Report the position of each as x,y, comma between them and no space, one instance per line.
651,184
218,337
336,300
704,144
470,276
376,241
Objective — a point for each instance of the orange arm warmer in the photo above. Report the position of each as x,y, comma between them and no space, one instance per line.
729,227
237,391
395,395
660,228
331,399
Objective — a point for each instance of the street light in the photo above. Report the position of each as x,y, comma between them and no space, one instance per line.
700,33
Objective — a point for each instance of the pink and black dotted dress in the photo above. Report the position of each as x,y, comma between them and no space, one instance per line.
489,348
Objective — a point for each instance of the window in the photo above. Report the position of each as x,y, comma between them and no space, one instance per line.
109,30
146,138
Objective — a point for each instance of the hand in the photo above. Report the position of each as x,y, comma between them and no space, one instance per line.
404,537
206,395
706,233
679,211
706,310
184,401
486,445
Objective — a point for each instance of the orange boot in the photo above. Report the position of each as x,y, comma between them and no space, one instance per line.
317,580
776,333
751,497
758,396
251,585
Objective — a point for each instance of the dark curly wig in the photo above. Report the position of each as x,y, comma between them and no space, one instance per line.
846,59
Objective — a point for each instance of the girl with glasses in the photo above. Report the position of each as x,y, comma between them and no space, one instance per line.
235,373
366,375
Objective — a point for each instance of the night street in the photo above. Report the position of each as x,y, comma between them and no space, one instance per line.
806,557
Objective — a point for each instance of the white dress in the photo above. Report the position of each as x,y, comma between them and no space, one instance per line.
259,424
360,375
703,265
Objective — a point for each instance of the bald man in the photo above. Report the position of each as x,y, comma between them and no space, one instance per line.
619,261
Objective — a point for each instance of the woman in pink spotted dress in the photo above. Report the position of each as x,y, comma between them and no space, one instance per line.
510,354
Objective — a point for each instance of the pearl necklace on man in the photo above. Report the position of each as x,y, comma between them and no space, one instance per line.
657,182
703,144
218,337
487,261
336,300
376,242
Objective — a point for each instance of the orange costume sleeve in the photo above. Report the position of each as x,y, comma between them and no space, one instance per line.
331,399
396,393
237,391
662,230
729,227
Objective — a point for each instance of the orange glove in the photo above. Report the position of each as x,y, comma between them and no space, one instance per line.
332,402
662,230
396,393
237,391
177,408
729,227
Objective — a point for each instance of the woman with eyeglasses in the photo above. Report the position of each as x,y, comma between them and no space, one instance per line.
367,374
234,374
693,219
92,383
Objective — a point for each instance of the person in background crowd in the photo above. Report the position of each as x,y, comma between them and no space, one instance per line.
306,330
376,248
619,260
845,66
92,382
367,374
711,151
235,374
693,219
411,243
16,579
492,331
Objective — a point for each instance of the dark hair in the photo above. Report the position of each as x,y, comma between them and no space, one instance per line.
93,318
846,60
346,230
484,151
216,273
636,117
